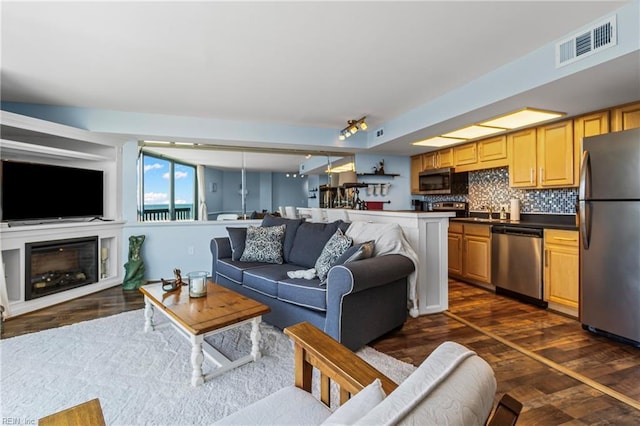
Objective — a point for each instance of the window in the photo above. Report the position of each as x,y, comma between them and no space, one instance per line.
168,190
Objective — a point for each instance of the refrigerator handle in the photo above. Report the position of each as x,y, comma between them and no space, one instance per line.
585,223
584,193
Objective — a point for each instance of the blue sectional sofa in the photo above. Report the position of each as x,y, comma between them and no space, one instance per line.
360,300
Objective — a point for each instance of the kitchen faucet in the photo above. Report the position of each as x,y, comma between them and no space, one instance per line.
489,208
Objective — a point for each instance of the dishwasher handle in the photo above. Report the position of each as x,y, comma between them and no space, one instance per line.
518,231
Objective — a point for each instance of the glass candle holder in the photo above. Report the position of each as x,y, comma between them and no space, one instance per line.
197,283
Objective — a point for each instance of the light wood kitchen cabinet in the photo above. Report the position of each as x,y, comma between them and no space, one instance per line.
542,157
492,152
470,252
455,248
483,154
585,126
625,117
465,155
429,160
416,168
561,269
477,253
522,158
437,159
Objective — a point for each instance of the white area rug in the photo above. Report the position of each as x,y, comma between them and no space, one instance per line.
142,378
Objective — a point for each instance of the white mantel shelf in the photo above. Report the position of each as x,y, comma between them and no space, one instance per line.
427,234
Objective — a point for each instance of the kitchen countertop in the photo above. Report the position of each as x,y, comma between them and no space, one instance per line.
548,221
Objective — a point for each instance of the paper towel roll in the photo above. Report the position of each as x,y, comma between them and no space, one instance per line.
515,209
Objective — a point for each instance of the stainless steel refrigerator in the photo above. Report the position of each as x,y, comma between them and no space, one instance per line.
609,209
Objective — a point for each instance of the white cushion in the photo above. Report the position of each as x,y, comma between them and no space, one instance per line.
358,405
452,386
288,406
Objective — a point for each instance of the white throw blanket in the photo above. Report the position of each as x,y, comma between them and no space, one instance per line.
389,239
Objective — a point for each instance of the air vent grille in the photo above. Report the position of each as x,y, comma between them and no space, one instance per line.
584,44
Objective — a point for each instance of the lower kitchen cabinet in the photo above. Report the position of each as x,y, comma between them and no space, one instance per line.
455,248
470,252
561,266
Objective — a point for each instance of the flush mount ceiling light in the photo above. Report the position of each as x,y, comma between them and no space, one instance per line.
439,141
513,120
473,131
521,118
353,126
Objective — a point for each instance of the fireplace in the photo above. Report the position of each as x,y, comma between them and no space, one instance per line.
55,266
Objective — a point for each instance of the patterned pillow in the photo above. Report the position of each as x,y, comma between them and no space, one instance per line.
263,244
333,249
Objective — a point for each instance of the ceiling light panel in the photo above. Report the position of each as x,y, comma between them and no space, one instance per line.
522,118
439,141
473,131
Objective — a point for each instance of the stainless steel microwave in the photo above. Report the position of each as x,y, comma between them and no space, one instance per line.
443,181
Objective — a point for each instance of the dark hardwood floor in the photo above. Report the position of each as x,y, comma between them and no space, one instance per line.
561,373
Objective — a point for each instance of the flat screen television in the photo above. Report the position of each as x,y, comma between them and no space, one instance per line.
33,191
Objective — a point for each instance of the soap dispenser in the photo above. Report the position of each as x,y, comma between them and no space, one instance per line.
503,214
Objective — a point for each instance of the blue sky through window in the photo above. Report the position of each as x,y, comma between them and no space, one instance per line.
157,185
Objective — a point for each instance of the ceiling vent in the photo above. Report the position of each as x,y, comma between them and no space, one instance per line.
586,43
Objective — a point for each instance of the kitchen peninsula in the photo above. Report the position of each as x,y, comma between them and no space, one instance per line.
427,234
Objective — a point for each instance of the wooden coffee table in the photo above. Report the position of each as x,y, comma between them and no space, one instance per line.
197,318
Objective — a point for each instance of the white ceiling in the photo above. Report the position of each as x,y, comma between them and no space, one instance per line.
308,64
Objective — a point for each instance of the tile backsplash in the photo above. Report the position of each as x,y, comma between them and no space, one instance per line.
491,187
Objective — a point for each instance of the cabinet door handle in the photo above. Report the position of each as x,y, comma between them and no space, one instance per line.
541,174
573,240
546,258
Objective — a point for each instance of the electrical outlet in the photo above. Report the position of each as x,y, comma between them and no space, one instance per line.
190,250
379,132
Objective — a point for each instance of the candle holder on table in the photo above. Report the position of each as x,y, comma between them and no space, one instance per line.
197,283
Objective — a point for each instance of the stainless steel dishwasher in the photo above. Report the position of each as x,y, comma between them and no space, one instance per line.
516,261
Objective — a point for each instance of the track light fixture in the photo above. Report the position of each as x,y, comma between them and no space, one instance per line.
353,126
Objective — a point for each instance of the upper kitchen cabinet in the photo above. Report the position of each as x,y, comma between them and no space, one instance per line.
583,127
437,159
483,154
625,117
522,158
542,157
492,152
465,157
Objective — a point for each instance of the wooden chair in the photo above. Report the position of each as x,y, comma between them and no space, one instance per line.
315,349
86,414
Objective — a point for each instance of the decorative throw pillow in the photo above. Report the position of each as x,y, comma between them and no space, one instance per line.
333,249
263,244
358,406
237,237
289,233
357,252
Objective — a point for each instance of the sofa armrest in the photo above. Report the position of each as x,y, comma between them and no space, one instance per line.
220,249
362,274
314,348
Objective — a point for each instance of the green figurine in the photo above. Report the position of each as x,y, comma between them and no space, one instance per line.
134,275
